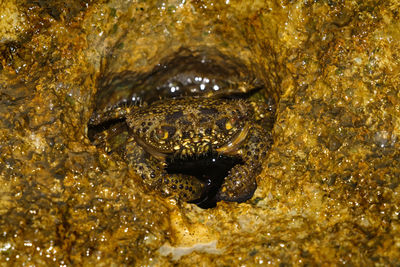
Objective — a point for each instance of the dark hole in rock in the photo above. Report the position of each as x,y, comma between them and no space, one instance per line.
211,169
202,72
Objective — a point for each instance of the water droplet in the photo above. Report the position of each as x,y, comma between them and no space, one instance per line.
384,139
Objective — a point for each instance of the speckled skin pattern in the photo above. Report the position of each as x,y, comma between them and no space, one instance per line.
190,127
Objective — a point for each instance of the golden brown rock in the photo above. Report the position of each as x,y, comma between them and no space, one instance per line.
329,189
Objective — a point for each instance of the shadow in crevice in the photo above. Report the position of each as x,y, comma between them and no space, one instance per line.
210,169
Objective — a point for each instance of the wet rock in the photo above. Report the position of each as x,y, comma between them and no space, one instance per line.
328,190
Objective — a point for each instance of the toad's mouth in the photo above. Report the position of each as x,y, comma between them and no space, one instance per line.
191,149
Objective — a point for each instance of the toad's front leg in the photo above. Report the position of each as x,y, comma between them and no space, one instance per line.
152,171
240,183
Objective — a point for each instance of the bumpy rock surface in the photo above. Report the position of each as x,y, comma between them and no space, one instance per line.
329,188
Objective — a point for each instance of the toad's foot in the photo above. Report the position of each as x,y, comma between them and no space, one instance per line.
183,187
152,171
239,185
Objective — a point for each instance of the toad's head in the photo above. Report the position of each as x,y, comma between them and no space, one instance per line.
190,127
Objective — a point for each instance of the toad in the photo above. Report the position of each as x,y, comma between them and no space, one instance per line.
190,127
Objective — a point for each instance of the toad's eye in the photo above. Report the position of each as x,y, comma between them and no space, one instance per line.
227,124
165,132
